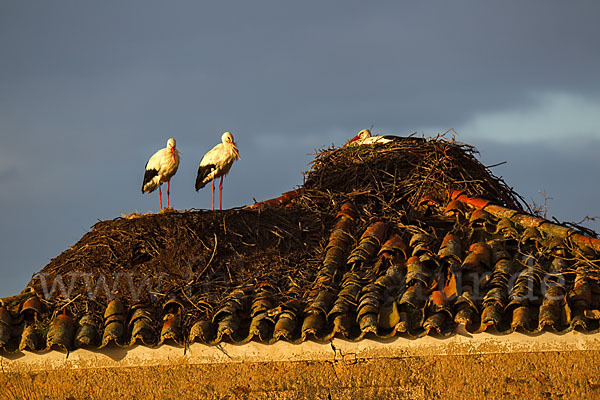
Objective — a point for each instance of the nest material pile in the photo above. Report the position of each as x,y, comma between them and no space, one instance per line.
391,177
200,256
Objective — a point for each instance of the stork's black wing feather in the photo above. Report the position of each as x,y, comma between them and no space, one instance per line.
203,172
403,138
148,176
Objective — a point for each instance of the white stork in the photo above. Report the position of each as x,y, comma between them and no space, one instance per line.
364,137
160,168
216,163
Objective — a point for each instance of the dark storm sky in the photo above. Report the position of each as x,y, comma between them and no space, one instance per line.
89,90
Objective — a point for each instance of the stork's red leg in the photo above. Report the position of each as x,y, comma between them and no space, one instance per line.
221,194
213,191
168,186
160,196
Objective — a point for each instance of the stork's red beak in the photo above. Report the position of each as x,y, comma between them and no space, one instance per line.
237,153
355,138
173,152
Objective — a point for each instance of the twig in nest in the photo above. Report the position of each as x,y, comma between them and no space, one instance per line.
211,257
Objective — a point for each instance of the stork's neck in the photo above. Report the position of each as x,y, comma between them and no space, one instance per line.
232,149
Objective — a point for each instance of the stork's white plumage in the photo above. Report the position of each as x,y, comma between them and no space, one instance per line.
160,168
217,163
364,137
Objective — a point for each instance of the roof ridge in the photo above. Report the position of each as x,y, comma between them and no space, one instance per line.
525,220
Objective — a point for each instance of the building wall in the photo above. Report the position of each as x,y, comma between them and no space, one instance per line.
566,367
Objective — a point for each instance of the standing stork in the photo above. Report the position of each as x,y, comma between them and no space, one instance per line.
217,163
160,168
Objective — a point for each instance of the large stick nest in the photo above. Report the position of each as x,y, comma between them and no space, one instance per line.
396,175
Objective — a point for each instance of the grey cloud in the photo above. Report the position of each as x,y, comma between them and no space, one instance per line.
310,65
7,173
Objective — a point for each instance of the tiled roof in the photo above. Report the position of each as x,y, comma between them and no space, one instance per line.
463,263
